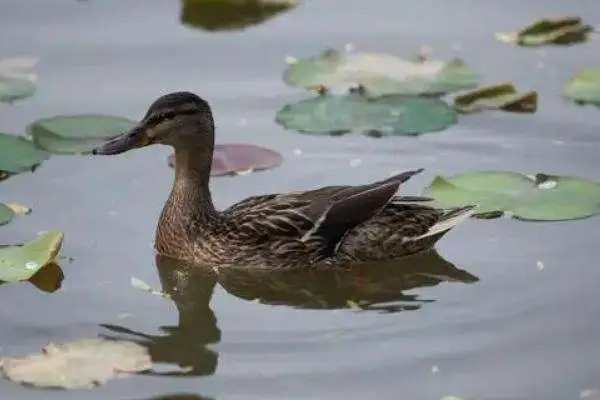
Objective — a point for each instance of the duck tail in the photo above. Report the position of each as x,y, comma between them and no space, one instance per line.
445,224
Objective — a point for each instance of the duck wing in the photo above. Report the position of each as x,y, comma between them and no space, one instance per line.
316,219
400,229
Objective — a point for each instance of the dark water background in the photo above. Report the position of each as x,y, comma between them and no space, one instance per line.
518,333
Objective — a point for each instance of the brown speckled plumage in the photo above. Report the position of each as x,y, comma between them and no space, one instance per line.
333,225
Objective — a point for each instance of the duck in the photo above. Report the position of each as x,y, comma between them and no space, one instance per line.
331,226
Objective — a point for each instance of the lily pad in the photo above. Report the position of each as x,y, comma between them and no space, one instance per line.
585,87
17,154
19,263
16,81
392,114
558,31
139,284
497,97
76,134
240,158
14,88
8,211
6,214
48,279
381,74
540,197
225,15
83,363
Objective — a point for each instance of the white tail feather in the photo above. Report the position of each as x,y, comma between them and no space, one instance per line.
448,223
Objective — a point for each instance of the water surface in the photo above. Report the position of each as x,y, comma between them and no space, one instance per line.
516,333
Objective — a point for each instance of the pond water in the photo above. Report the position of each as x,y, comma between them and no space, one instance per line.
514,332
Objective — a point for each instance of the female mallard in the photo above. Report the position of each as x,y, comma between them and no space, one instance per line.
333,225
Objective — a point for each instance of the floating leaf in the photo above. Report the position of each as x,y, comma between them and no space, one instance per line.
16,81
139,284
19,263
48,279
19,209
219,15
76,134
17,154
8,211
559,31
541,197
381,74
496,97
13,88
6,214
83,363
393,114
585,87
238,158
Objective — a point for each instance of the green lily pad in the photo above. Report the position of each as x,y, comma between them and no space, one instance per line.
83,363
8,211
14,88
17,154
381,74
16,79
558,31
6,214
539,198
585,87
393,114
76,134
19,263
225,15
496,97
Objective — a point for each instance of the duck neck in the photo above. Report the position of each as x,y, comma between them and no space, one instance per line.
191,192
189,208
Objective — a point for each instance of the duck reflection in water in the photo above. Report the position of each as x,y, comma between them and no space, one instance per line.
372,287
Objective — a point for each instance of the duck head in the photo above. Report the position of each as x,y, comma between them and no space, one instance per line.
176,119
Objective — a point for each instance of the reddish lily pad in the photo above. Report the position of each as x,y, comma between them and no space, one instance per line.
240,158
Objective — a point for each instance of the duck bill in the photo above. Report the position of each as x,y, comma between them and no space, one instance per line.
130,140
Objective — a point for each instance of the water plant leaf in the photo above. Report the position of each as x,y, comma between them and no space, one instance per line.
392,114
19,263
540,197
8,211
16,80
19,209
381,74
558,31
584,88
240,158
48,279
141,285
76,134
496,97
6,214
83,363
224,15
17,154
